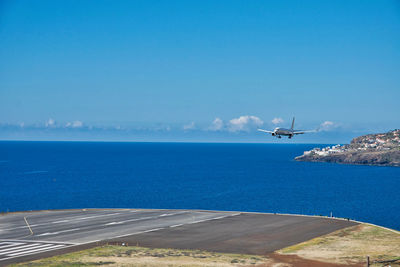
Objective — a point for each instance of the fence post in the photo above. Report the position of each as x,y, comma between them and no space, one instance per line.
367,261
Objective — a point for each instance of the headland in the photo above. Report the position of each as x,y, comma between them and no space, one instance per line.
381,149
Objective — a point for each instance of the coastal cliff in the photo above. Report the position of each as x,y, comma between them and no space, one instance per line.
373,149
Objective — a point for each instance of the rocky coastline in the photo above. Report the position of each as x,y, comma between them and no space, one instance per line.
373,149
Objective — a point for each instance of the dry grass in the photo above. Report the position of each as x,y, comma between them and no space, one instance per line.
138,256
350,245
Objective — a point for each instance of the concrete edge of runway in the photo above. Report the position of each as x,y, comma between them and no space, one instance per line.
200,210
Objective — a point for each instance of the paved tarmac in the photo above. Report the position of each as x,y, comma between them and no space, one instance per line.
56,232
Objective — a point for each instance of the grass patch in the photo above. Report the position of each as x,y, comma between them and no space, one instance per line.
350,245
149,257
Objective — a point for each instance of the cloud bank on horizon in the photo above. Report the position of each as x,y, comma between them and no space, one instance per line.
238,129
241,124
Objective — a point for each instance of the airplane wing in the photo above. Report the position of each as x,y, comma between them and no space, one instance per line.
265,131
303,132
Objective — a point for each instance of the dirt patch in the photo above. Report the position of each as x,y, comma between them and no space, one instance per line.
294,260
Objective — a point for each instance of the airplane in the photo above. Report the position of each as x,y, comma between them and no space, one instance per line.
279,132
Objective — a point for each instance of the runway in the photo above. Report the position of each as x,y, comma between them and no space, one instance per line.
56,232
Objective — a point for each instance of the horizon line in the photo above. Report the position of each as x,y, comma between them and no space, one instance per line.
178,142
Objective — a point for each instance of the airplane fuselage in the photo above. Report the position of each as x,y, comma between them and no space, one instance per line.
278,132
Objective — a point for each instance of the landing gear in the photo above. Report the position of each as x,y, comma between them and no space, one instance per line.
279,136
290,137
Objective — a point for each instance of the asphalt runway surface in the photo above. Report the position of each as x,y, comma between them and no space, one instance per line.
56,232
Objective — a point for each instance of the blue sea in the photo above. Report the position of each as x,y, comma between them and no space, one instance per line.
240,177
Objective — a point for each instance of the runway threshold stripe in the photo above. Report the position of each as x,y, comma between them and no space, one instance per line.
39,241
35,246
11,244
5,243
35,250
2,251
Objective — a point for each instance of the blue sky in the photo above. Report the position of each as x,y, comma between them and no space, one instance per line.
197,70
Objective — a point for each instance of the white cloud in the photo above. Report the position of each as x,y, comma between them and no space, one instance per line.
158,128
277,120
217,125
328,126
189,126
50,123
74,124
244,123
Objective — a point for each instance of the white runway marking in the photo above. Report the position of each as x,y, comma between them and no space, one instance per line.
142,232
74,219
152,230
85,218
18,248
9,244
60,232
133,220
2,251
176,225
24,248
143,218
11,249
36,250
215,218
62,221
114,223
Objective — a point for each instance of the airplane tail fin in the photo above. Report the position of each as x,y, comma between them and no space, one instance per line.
292,124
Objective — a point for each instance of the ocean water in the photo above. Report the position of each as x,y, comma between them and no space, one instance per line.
242,177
